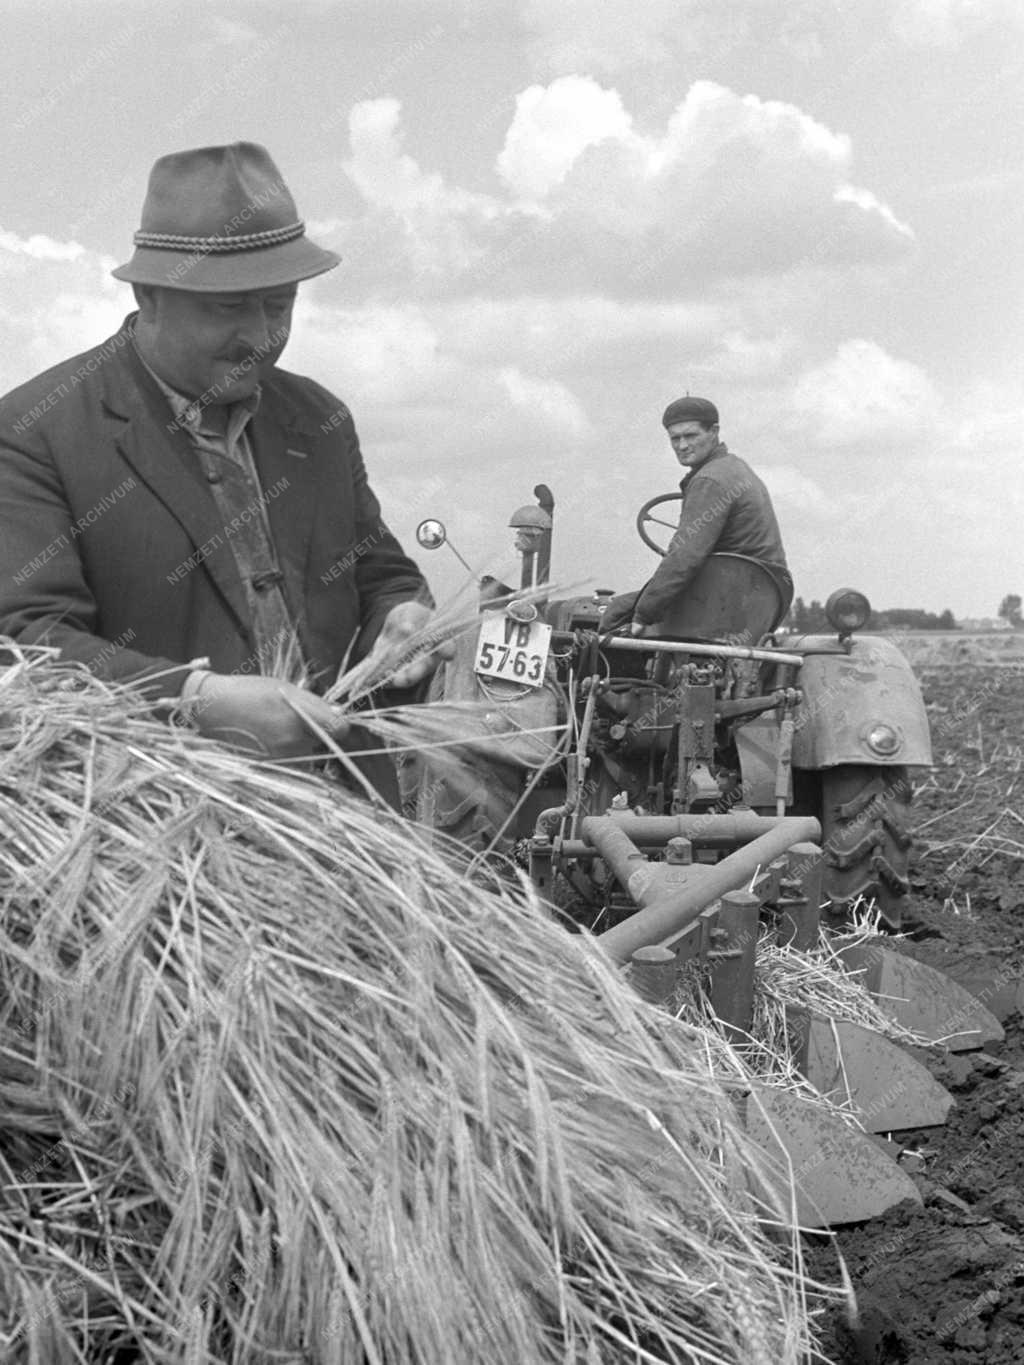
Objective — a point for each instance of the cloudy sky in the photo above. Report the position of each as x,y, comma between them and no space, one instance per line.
556,216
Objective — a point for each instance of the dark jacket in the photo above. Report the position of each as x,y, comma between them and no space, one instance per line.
112,548
726,509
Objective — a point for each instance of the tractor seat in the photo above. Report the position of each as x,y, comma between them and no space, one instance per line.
732,600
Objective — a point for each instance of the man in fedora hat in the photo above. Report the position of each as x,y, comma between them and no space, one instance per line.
172,496
725,509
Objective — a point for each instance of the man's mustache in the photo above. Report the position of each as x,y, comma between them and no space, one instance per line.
254,352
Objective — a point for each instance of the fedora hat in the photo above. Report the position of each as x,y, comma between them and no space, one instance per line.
221,220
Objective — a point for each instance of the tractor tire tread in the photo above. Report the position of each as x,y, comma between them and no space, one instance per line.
865,837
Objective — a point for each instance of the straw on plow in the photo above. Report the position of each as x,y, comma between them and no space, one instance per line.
816,981
279,1084
786,981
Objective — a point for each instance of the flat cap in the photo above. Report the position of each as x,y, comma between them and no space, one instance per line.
691,410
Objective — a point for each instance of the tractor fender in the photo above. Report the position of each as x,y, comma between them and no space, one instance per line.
847,693
505,709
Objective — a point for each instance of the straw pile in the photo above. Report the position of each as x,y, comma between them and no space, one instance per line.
279,1085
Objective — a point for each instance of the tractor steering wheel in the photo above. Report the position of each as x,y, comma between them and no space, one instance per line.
645,516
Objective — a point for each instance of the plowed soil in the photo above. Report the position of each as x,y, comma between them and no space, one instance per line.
945,1282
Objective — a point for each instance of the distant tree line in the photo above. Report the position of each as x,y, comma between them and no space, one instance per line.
1010,609
809,618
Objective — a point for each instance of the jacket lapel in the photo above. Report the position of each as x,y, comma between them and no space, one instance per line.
285,442
161,455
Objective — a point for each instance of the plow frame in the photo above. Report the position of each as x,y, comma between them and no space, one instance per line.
690,911
712,915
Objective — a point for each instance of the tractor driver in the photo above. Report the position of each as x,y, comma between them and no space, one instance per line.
725,508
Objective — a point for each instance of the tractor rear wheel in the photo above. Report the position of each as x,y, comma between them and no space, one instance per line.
865,836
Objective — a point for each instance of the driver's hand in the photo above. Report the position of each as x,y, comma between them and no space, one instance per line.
617,613
636,627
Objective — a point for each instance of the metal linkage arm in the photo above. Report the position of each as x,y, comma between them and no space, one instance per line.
703,830
640,645
666,909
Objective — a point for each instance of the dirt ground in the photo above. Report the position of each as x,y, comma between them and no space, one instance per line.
945,1282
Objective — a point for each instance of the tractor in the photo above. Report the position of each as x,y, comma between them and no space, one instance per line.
679,793
706,715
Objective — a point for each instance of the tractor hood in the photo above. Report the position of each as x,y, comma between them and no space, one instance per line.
823,644
861,704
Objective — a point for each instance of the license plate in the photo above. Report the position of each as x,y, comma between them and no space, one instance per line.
515,651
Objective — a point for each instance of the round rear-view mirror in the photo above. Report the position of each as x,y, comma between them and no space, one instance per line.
431,534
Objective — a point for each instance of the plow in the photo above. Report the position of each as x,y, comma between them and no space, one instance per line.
712,789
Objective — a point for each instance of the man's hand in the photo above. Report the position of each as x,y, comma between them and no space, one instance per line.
402,625
616,615
263,715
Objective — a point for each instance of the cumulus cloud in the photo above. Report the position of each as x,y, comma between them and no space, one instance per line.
553,126
58,299
870,203
76,318
730,185
379,167
407,372
733,185
416,220
40,247
864,395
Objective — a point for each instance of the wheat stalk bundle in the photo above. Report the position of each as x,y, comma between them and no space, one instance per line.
278,1084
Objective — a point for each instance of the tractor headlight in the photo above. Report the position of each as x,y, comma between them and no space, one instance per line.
847,610
883,739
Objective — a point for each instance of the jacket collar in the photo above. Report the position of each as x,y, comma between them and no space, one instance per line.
719,450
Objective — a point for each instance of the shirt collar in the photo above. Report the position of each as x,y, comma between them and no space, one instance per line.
188,412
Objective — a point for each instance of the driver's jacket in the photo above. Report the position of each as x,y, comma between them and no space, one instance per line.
726,508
